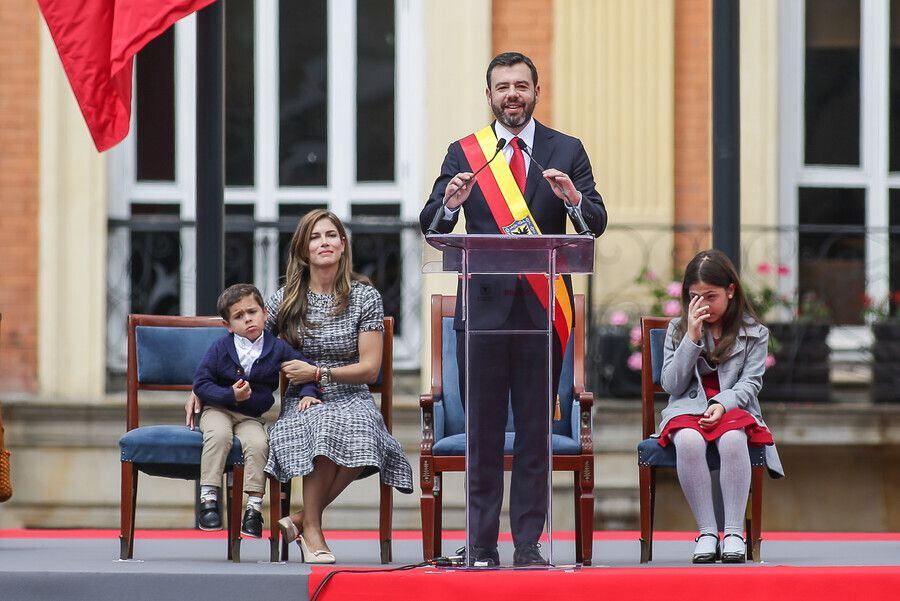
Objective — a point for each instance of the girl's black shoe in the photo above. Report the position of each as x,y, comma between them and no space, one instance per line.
705,555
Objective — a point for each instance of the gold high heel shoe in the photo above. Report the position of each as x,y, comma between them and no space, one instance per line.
309,556
289,529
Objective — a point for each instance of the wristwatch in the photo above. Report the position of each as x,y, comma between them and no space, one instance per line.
325,379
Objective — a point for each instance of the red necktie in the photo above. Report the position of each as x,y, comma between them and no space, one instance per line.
517,164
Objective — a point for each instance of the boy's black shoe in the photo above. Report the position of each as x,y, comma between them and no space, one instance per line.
209,516
252,523
528,554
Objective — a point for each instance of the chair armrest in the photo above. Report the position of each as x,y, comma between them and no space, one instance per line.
426,402
586,400
585,422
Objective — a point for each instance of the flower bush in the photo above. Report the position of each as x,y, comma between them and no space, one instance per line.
765,298
888,308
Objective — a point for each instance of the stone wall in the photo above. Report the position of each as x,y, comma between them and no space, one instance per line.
837,456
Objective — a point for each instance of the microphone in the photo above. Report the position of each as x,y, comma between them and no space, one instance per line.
432,229
576,216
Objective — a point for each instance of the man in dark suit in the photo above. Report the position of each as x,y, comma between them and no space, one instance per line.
511,367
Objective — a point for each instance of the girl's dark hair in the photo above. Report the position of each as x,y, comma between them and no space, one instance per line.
714,268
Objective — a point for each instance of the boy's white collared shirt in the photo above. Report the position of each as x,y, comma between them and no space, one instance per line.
247,351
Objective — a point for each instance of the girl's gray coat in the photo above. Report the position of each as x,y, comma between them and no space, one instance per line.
740,377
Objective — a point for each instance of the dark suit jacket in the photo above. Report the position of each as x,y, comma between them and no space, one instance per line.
492,296
220,369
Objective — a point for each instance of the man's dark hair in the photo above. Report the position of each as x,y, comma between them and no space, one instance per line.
508,59
234,294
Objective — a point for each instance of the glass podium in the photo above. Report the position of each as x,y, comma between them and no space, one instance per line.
494,270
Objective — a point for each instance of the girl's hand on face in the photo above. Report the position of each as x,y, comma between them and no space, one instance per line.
298,372
697,313
307,402
712,416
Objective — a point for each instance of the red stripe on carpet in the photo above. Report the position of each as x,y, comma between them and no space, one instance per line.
616,535
751,583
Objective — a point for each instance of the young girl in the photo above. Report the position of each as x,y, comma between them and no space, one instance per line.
713,366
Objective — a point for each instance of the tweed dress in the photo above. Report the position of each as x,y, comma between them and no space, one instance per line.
346,426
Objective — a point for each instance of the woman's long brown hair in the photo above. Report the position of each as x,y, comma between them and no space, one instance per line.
292,320
714,268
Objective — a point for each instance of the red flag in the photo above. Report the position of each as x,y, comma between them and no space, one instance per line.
97,41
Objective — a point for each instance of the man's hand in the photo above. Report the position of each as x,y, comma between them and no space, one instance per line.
712,416
462,182
307,402
192,410
562,186
241,390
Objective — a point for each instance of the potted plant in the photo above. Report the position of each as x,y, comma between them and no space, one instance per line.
615,343
885,320
799,366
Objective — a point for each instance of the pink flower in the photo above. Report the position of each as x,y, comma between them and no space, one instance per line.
770,360
763,269
674,289
635,335
650,276
671,308
634,361
783,269
618,318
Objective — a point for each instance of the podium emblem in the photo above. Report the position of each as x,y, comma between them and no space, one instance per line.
521,227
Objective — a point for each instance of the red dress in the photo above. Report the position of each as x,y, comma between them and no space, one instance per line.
735,419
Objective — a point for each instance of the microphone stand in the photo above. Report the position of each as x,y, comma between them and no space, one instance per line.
432,229
575,215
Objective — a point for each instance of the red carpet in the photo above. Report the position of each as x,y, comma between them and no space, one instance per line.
751,583
447,535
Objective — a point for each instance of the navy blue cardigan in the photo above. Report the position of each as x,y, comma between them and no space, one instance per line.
220,369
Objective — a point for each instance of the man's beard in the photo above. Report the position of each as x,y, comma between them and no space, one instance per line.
513,122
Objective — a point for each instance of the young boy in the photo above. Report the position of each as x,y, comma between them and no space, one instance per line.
235,381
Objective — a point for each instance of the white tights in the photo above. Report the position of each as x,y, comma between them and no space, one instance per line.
734,478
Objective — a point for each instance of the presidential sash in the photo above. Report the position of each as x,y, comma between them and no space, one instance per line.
514,218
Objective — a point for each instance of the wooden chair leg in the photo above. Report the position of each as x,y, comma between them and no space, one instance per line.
274,516
586,509
285,510
427,507
235,498
754,532
577,489
438,522
127,508
385,522
647,493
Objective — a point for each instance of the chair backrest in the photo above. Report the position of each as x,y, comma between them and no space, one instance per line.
445,371
384,383
164,352
653,336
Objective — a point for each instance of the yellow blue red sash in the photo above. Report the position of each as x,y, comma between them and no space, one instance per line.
513,217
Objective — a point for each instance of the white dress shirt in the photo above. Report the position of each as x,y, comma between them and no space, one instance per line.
247,351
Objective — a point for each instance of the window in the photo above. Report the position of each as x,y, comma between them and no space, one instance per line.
322,99
840,152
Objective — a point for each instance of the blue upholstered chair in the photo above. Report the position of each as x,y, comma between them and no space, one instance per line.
444,439
163,354
652,456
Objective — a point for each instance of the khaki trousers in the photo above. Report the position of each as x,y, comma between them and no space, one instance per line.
218,425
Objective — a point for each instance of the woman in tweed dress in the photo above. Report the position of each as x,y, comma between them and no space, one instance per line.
336,317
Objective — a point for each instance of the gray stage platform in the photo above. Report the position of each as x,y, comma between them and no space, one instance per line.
45,569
